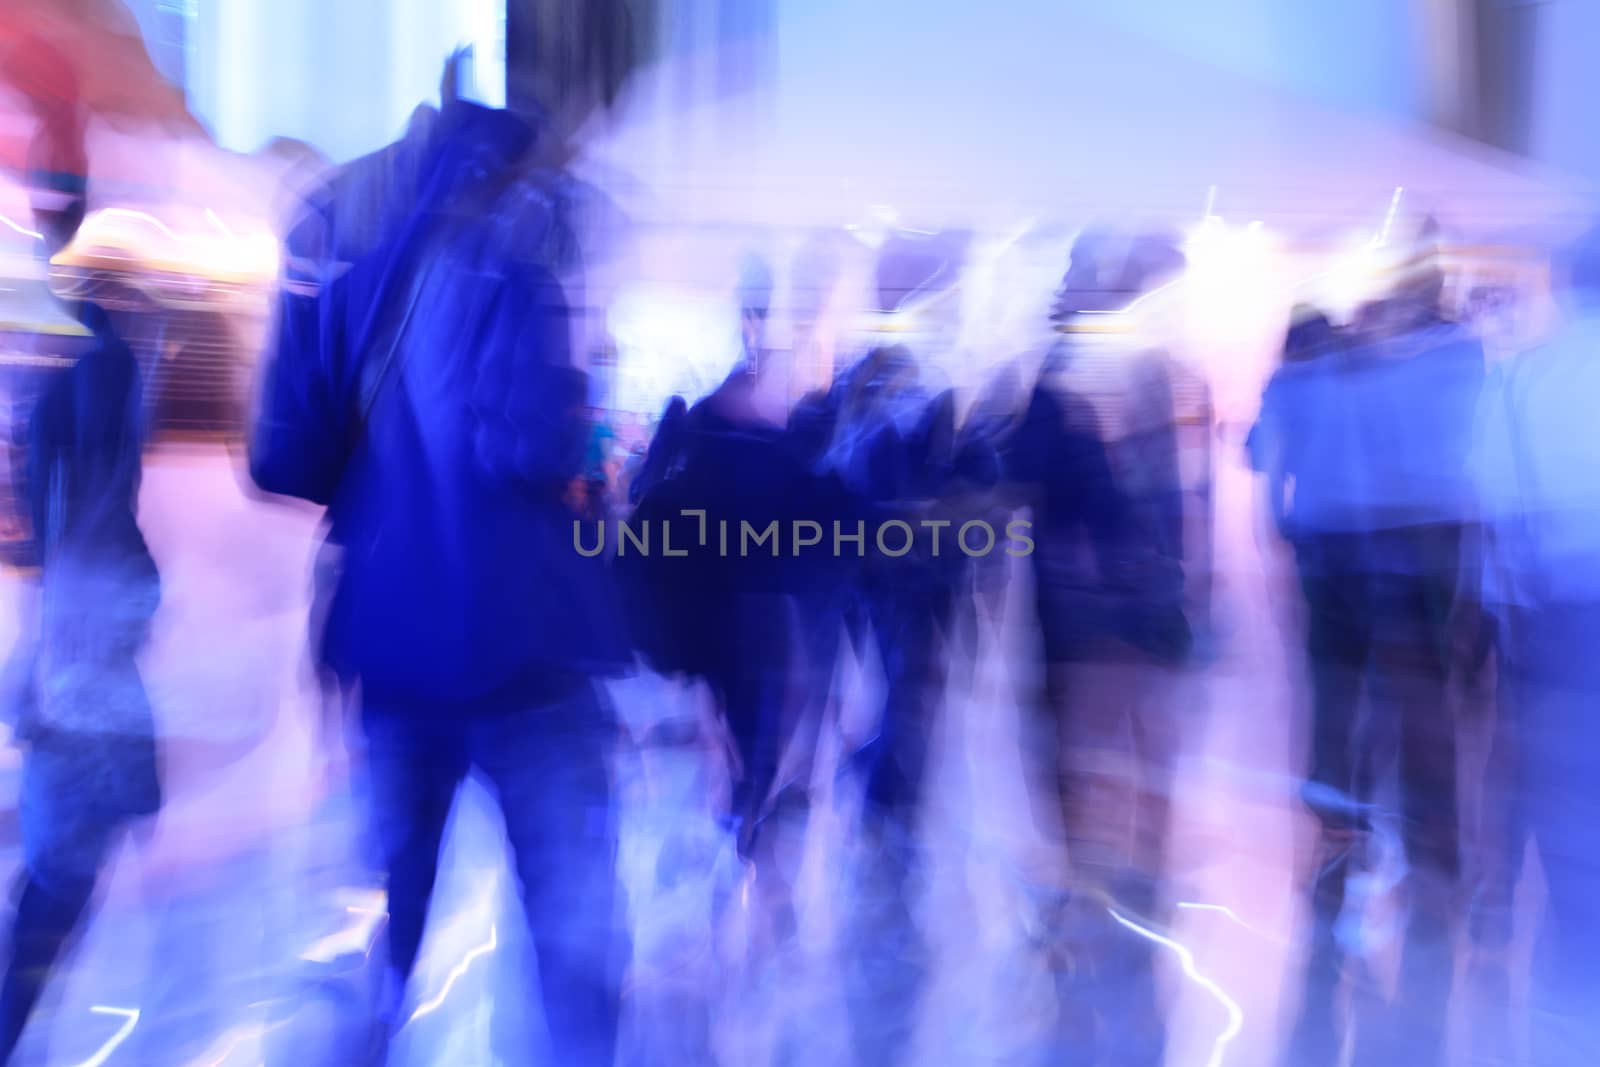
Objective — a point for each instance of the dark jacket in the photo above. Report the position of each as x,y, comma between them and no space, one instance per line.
84,454
460,575
1099,566
745,477
88,720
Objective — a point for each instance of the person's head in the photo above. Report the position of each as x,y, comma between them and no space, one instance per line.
1580,271
567,60
1417,293
1154,259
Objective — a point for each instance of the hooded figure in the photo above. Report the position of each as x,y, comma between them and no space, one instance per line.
1533,464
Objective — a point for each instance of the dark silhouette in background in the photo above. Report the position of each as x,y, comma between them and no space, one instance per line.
90,765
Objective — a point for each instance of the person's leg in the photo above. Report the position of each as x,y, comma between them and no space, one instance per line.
1044,760
415,764
757,711
1560,750
906,624
1562,807
888,956
1044,730
1502,840
1159,704
46,921
1410,691
549,767
821,619
1156,698
68,834
1337,647
1565,992
1318,1037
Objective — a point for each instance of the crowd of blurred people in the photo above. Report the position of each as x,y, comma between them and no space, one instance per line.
1444,520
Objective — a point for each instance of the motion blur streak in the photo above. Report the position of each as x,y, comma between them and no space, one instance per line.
24,231
233,1041
1190,408
359,937
131,1017
428,1007
1186,960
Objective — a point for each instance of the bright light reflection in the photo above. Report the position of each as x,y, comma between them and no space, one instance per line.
1186,960
1231,915
668,344
23,230
226,252
131,1017
455,975
357,937
233,1039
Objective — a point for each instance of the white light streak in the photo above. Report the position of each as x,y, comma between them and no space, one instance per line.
141,216
1186,960
1388,219
227,252
35,234
358,936
131,1020
222,227
1222,909
233,1039
456,974
1151,295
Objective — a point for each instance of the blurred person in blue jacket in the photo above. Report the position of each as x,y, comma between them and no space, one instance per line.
1535,464
1365,443
1420,386
422,388
1307,444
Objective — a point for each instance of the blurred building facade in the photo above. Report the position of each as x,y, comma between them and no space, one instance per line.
1510,73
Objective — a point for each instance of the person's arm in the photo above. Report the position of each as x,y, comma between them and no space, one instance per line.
297,444
1268,457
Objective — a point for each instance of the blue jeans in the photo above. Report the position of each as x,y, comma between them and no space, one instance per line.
547,766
